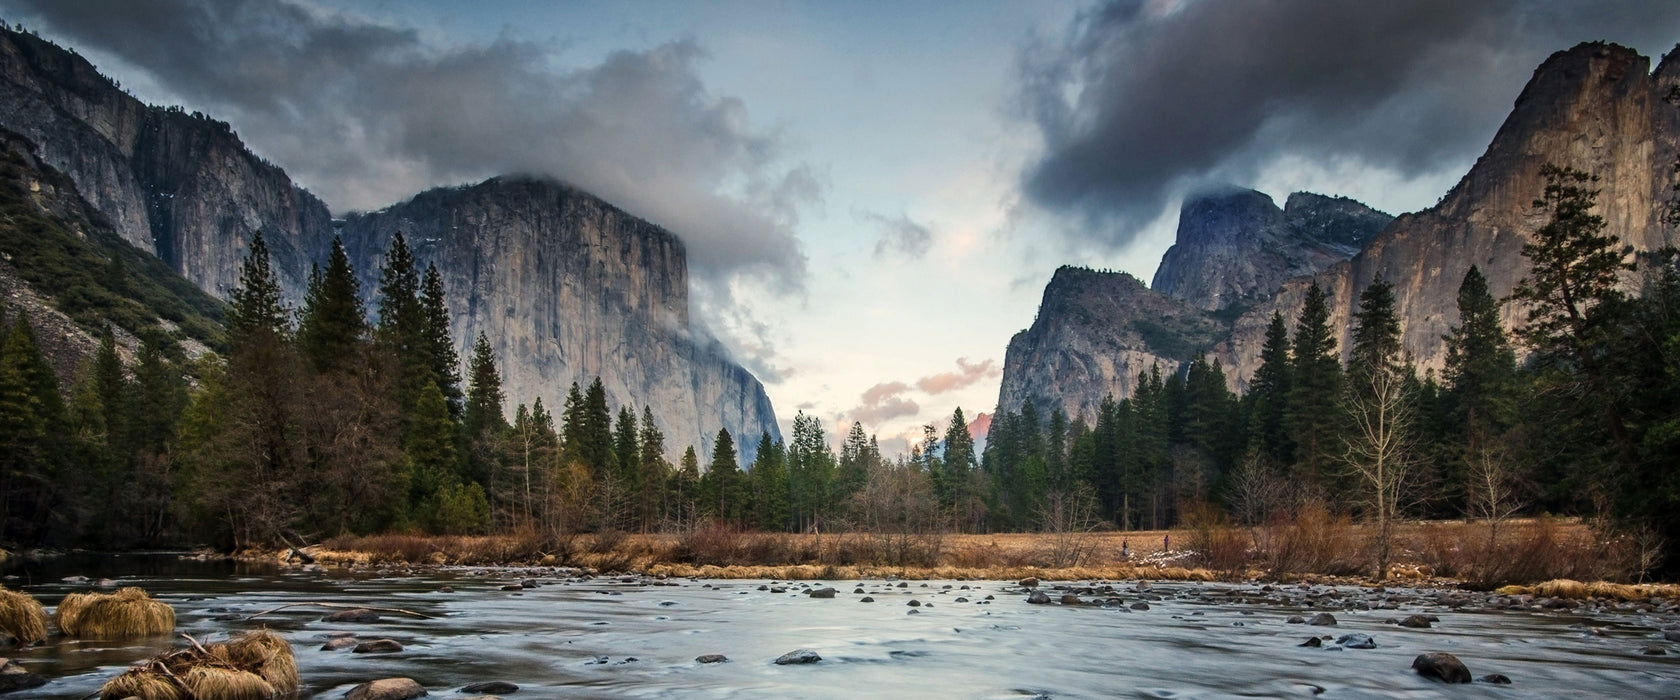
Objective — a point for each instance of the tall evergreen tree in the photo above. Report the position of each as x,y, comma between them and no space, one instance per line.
482,420
1479,401
437,341
595,440
1315,390
1376,333
655,471
1268,395
770,485
31,415
721,484
333,322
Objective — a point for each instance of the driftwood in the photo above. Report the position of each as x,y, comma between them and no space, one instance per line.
344,606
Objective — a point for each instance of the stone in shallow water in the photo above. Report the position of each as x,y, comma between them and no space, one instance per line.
1356,641
1322,620
1415,621
340,643
14,677
1313,642
822,593
711,659
386,689
798,656
1038,598
1496,679
1441,666
378,646
866,599
491,687
355,615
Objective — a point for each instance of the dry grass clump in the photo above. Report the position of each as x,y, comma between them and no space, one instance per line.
256,666
22,617
126,614
1565,588
1519,553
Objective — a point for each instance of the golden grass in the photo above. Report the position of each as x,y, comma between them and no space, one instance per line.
126,614
256,666
1578,590
22,617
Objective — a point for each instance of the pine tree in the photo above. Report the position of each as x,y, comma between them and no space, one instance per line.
572,425
436,340
482,419
431,450
333,322
1376,334
1268,395
595,442
655,471
31,419
401,328
770,485
1315,391
257,311
1481,385
722,482
685,489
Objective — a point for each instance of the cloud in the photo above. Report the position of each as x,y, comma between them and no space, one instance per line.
967,374
883,402
365,112
1141,100
900,234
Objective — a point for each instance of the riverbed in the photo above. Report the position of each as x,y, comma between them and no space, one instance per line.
574,636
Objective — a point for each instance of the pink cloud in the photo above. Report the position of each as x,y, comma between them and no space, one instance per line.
967,374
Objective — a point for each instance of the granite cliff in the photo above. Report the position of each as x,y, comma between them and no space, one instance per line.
565,286
1596,107
1235,246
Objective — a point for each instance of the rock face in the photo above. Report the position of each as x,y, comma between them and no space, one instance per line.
180,186
1235,246
1095,332
1596,107
567,288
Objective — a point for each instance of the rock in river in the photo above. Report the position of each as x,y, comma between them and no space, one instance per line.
387,689
1415,621
1322,620
14,677
378,646
355,615
1442,667
711,659
800,656
1356,641
1038,598
340,643
822,593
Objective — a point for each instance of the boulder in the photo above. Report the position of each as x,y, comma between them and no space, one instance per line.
387,689
1496,679
340,643
866,599
798,656
711,659
821,593
1029,582
1296,620
1140,605
1312,642
1038,598
14,677
916,603
1441,666
1323,619
378,646
354,615
1415,621
490,687
1356,641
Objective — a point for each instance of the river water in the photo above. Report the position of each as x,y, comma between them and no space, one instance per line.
631,637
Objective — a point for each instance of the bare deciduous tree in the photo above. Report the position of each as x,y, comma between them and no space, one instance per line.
1069,518
1378,453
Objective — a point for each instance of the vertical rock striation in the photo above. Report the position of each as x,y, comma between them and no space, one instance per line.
567,288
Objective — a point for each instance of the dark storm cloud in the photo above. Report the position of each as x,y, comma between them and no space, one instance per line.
366,113
1143,99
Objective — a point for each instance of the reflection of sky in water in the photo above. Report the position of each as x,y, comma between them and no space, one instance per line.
577,638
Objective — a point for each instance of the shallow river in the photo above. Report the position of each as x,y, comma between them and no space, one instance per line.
612,637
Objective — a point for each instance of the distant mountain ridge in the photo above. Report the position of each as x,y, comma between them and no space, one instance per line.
1596,107
566,286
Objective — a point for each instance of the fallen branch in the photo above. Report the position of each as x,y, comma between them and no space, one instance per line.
344,606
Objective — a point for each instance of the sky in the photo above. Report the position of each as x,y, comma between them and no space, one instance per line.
873,194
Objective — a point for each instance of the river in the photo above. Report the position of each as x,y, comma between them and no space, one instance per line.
614,637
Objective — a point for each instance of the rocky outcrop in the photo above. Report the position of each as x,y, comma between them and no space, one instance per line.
1235,246
1095,332
567,288
180,186
1596,107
